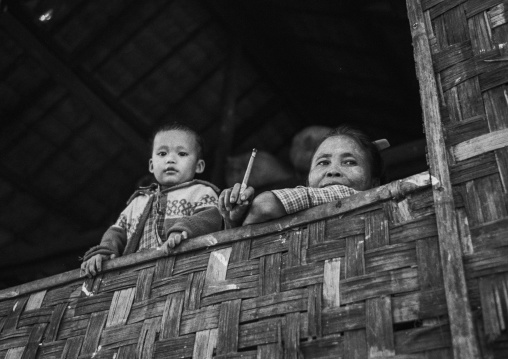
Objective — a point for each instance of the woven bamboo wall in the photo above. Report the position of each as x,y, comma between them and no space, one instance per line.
469,48
358,283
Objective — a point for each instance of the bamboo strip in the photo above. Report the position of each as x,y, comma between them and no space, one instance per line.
480,145
331,283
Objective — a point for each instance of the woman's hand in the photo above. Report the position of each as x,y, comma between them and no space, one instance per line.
234,205
265,207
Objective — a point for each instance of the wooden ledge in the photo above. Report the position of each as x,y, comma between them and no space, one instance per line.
396,189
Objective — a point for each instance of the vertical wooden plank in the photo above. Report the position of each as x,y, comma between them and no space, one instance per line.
430,275
314,308
194,290
331,283
316,233
304,239
127,352
496,107
292,336
464,340
470,98
354,259
120,307
171,315
294,249
11,323
217,265
164,267
91,285
34,340
72,348
494,300
456,31
144,284
240,251
93,332
376,230
269,273
479,31
205,343
15,353
355,344
229,317
151,327
379,324
271,351
464,232
35,300
54,322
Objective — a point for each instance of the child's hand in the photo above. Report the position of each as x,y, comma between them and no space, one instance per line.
233,205
93,265
174,239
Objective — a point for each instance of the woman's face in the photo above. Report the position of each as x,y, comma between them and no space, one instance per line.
341,160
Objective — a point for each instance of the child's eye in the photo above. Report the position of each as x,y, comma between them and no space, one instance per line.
161,153
183,154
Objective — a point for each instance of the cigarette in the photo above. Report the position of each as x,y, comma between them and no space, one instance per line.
247,172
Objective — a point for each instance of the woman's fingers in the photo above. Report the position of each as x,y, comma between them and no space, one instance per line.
247,194
235,194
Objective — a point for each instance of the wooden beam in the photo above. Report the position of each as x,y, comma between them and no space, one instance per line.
66,77
159,63
464,340
108,28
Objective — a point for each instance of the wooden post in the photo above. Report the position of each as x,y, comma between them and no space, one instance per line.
464,341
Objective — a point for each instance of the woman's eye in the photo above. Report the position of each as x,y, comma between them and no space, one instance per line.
323,163
350,163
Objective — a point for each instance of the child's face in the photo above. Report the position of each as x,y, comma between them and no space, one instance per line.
175,158
340,160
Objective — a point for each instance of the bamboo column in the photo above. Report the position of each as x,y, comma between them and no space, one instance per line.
464,341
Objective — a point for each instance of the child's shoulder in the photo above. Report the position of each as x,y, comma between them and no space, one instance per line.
143,191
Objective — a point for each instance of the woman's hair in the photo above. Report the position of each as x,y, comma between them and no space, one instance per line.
176,126
360,137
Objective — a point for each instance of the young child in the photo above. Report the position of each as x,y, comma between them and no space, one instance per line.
345,163
175,208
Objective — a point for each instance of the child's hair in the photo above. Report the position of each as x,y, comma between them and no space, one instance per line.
376,161
176,126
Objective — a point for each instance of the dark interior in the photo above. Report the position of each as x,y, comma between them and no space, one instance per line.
83,83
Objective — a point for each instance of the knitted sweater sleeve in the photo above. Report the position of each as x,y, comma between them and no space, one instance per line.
204,220
113,242
114,239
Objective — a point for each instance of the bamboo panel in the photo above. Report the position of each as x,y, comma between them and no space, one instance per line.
375,290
